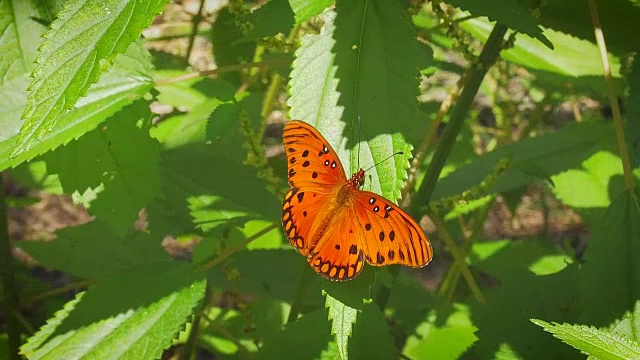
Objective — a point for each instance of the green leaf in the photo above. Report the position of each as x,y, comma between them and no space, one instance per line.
503,322
201,122
570,57
226,34
597,180
130,182
611,271
617,18
270,19
77,49
324,89
343,318
128,79
265,273
20,36
378,61
591,341
93,251
192,191
135,315
629,325
632,131
306,9
235,327
183,94
529,160
445,334
294,343
510,13
371,338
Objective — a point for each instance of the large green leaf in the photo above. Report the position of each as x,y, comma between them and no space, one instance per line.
378,61
371,338
510,13
79,47
134,315
128,182
610,276
529,160
294,342
93,251
601,344
632,131
535,280
265,273
128,79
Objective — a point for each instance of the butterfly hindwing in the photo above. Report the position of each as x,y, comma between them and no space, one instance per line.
392,236
311,160
339,254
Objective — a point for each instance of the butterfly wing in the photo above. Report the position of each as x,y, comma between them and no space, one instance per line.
314,171
339,254
300,210
391,235
311,160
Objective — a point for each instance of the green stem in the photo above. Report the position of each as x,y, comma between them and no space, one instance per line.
10,295
423,195
190,345
450,281
487,58
458,258
234,249
218,71
197,19
613,97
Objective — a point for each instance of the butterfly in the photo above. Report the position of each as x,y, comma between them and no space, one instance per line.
337,226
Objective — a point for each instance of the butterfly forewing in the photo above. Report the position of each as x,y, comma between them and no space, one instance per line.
393,237
300,209
311,160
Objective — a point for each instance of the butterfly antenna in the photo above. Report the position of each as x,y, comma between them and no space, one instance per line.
385,159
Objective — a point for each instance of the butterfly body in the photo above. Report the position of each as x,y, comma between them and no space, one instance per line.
337,226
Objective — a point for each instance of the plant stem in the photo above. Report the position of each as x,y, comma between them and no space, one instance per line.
57,291
219,70
423,148
232,250
190,345
613,97
487,58
10,296
458,258
450,280
196,20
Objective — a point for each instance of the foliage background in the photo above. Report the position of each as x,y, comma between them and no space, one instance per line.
521,156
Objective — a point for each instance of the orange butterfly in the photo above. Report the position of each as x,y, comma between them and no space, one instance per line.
335,224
